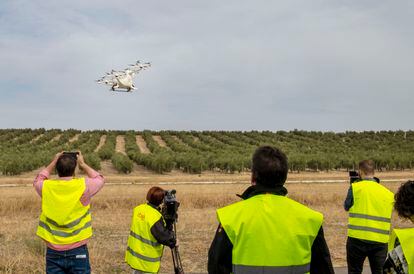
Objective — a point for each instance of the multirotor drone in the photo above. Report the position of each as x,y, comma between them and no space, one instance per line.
123,80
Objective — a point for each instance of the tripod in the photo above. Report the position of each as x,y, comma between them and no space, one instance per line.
178,268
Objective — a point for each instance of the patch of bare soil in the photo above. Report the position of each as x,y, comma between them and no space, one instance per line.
142,145
56,138
36,138
120,144
74,138
107,168
159,140
101,143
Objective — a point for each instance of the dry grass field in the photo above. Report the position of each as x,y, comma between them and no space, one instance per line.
22,252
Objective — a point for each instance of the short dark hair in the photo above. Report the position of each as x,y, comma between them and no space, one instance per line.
65,165
404,200
367,166
155,195
269,166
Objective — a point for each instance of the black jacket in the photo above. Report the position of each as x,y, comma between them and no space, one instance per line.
220,253
161,233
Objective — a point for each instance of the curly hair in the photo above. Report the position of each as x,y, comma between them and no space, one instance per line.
404,200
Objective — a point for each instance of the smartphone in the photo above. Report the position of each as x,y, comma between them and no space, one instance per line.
74,154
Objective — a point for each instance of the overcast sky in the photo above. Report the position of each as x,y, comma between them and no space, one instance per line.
216,65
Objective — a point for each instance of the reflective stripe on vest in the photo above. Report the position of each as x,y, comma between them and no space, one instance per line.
142,257
270,224
64,220
142,239
144,252
370,215
406,238
62,233
369,229
69,225
296,269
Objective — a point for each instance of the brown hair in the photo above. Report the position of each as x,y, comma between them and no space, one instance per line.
367,166
65,165
404,200
155,195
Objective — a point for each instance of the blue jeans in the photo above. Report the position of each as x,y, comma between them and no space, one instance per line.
70,261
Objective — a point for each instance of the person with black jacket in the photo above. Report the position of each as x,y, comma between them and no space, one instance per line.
267,232
148,235
370,208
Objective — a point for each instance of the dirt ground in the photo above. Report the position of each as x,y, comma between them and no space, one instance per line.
102,141
141,175
142,145
120,144
159,140
200,195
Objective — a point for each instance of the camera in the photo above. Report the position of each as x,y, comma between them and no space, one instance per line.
354,176
170,207
169,212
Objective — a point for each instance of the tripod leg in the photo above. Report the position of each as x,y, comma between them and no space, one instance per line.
178,268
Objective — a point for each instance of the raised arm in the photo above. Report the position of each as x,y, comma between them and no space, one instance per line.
94,180
90,172
44,174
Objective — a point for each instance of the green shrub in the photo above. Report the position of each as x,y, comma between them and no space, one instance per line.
93,161
122,163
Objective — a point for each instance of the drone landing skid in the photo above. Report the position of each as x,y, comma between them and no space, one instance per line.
120,90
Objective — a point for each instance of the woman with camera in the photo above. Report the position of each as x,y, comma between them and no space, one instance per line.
148,235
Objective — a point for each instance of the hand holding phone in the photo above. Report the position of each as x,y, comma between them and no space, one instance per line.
74,154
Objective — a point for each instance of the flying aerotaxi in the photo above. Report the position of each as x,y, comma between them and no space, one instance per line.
123,80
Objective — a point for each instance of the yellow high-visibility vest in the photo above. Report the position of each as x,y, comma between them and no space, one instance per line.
64,220
144,252
270,234
370,215
406,238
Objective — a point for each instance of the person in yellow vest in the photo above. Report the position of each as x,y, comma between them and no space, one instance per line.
400,258
370,208
148,235
65,221
268,232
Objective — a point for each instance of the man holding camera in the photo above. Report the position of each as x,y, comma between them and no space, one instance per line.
268,232
370,208
148,235
65,221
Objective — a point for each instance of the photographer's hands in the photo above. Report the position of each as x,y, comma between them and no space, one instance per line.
81,160
52,164
84,166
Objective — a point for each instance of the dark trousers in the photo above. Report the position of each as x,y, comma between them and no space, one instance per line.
356,252
69,261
